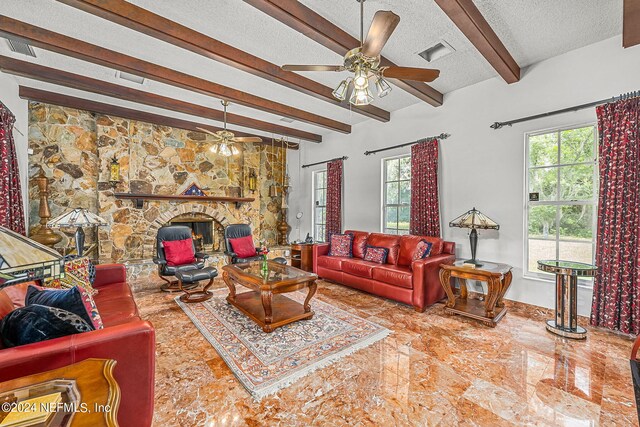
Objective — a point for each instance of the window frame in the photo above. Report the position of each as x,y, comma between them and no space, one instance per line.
314,181
383,193
539,275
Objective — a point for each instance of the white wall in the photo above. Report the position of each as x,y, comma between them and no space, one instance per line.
479,166
9,96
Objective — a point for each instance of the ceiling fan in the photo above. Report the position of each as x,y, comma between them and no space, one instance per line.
364,62
225,139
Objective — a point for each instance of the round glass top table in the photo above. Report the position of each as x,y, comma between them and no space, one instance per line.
565,323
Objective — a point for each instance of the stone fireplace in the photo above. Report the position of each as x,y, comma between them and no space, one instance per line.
208,234
74,149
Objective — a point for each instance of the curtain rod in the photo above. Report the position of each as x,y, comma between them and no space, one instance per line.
629,95
325,161
431,138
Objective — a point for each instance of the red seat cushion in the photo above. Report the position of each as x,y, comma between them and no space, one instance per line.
358,267
393,275
408,245
359,242
332,262
243,247
179,252
117,311
112,291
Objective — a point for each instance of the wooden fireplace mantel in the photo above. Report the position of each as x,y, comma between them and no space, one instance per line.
139,198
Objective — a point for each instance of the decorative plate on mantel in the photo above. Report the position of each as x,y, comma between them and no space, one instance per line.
193,190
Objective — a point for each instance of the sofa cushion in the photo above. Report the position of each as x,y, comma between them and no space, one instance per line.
117,311
359,242
389,241
423,250
332,262
408,245
394,275
35,323
358,267
76,273
6,305
375,254
75,300
18,293
341,245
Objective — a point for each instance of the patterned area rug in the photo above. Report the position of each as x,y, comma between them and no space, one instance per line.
265,363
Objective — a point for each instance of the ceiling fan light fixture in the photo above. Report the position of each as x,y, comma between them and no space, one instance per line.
224,150
360,79
214,149
341,91
361,97
383,87
234,150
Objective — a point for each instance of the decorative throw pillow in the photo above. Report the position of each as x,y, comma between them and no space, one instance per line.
76,300
92,268
243,247
341,245
376,254
6,305
76,273
35,323
423,249
18,293
179,252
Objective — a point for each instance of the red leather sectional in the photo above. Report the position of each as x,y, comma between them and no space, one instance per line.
126,338
411,282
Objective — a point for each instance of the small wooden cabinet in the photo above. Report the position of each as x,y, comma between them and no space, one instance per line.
302,256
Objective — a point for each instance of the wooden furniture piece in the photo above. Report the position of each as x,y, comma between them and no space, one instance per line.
139,198
489,311
565,323
91,380
302,256
191,277
265,304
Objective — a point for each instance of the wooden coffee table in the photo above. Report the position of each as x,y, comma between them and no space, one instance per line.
265,304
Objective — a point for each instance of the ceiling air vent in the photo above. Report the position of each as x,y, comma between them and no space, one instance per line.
287,120
21,47
437,51
130,77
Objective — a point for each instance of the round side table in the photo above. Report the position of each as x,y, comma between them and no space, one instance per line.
567,272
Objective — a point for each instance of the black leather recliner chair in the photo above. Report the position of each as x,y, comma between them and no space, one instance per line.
170,233
234,231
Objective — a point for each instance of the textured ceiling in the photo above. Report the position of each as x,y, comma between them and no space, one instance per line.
532,30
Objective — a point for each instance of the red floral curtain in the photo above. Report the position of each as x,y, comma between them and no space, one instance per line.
11,212
616,303
334,198
425,206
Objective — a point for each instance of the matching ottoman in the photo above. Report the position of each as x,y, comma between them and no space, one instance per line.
191,277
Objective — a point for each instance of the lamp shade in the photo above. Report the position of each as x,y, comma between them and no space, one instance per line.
78,217
474,219
23,259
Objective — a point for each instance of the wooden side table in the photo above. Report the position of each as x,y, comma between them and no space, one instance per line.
489,311
302,256
90,392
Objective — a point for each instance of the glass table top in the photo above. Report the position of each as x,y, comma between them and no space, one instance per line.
567,267
275,272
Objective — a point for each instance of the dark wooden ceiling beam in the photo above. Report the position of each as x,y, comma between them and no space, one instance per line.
71,80
159,27
631,23
122,112
79,49
466,16
299,17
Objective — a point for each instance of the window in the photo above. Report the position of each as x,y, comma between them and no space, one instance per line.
562,169
319,205
396,197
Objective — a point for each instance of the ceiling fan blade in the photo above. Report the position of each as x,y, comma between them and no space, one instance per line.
312,67
410,73
217,137
383,25
247,139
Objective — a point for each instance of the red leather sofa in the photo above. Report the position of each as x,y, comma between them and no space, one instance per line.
125,338
411,282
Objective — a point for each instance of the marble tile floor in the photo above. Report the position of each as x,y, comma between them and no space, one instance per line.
433,370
